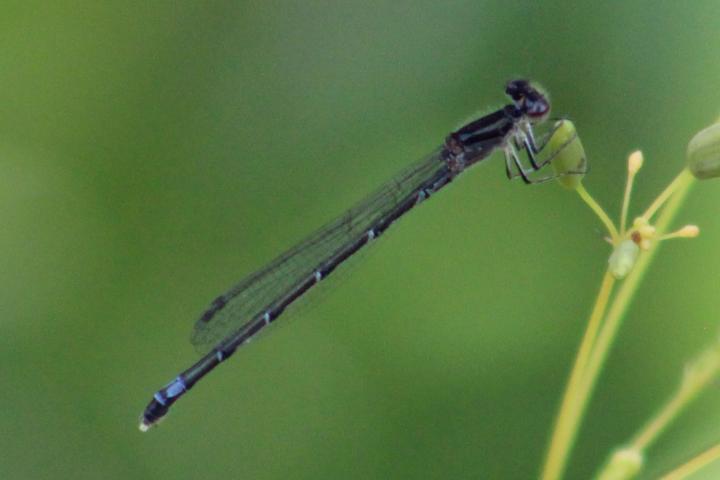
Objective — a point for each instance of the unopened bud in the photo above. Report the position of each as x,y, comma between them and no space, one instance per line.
569,163
623,259
624,463
635,162
688,231
703,153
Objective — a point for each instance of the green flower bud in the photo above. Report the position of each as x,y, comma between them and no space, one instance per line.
623,464
569,162
623,258
703,153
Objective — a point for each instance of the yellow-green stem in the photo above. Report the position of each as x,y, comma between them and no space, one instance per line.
626,202
697,376
705,458
587,198
564,432
662,198
625,294
571,419
671,409
627,461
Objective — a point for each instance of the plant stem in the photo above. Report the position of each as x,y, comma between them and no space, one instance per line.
671,409
695,464
578,393
590,201
565,431
626,202
697,376
627,461
662,198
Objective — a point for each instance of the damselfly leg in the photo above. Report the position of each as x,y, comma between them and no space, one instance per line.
525,140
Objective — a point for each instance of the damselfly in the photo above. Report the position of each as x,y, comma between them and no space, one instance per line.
236,316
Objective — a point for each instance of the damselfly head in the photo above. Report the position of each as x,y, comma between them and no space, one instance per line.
529,99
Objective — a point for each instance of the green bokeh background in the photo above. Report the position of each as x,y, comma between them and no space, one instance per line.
152,153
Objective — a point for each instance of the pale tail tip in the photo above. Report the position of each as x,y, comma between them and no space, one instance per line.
144,426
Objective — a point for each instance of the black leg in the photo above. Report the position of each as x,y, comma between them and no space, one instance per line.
531,155
508,164
547,178
538,146
562,147
512,153
514,167
530,145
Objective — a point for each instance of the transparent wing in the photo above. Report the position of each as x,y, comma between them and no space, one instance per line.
230,312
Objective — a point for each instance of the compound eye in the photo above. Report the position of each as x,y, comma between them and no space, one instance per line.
537,109
517,89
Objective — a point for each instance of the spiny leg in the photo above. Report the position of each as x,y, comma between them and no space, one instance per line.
531,155
508,169
511,158
525,139
536,146
559,150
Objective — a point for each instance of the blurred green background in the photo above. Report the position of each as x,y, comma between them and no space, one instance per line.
153,153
